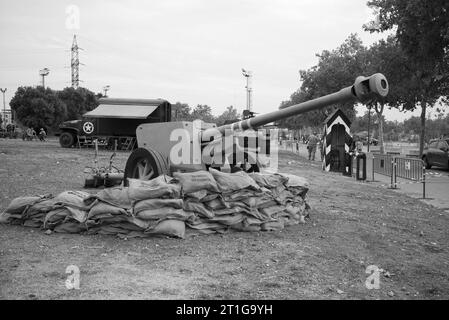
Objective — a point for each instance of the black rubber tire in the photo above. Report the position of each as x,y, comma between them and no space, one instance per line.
66,140
141,161
426,164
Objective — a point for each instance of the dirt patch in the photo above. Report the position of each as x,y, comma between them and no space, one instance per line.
353,225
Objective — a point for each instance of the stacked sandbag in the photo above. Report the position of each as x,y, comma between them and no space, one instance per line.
68,214
30,211
198,190
204,201
158,206
110,212
144,208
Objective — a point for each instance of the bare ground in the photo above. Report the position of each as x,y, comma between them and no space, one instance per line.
353,225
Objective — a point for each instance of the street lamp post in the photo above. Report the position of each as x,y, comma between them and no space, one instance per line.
369,120
4,105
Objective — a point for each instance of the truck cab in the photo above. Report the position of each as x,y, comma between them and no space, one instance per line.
114,121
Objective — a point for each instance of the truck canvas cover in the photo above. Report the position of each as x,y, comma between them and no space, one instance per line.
125,108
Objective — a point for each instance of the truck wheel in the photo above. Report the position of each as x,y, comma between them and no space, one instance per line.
66,139
145,164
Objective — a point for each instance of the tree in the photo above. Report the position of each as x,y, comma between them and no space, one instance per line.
203,112
78,101
335,70
228,116
181,112
387,57
422,30
38,107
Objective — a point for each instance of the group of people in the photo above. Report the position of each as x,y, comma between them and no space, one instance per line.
30,134
315,142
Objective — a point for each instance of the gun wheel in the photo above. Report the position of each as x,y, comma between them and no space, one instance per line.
246,165
144,164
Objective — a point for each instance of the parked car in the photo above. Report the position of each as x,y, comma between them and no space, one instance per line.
437,153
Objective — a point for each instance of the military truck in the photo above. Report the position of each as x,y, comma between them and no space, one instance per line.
113,122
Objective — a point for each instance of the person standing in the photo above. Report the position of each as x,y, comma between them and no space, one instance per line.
311,145
321,147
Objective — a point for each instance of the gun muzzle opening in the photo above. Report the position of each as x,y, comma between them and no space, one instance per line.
369,88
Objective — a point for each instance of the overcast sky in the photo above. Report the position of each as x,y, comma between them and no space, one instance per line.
190,51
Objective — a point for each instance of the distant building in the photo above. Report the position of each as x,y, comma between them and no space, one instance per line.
7,117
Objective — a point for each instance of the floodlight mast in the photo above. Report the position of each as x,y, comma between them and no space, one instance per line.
106,89
248,74
44,72
3,90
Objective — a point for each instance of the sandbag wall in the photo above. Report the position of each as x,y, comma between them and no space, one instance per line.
203,201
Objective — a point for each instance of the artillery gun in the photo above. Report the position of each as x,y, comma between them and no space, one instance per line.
164,148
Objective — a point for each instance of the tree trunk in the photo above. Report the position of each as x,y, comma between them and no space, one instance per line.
379,112
423,127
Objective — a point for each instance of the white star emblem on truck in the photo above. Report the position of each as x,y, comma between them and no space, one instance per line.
88,127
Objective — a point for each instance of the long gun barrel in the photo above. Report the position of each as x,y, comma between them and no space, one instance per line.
364,89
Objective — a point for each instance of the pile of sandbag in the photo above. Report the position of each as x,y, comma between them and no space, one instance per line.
203,201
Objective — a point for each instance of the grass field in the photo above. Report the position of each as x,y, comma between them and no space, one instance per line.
353,225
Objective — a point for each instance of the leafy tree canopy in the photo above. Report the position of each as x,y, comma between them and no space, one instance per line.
78,101
38,107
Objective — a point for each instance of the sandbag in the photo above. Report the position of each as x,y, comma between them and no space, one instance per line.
55,217
228,219
240,194
198,195
263,201
270,211
70,227
100,207
233,181
107,218
6,217
172,228
272,225
196,181
144,224
297,185
227,211
296,181
164,213
216,204
205,226
151,204
41,207
268,180
162,186
72,199
32,223
198,208
117,197
20,204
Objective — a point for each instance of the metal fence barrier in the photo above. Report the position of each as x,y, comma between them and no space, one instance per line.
402,167
383,164
409,168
